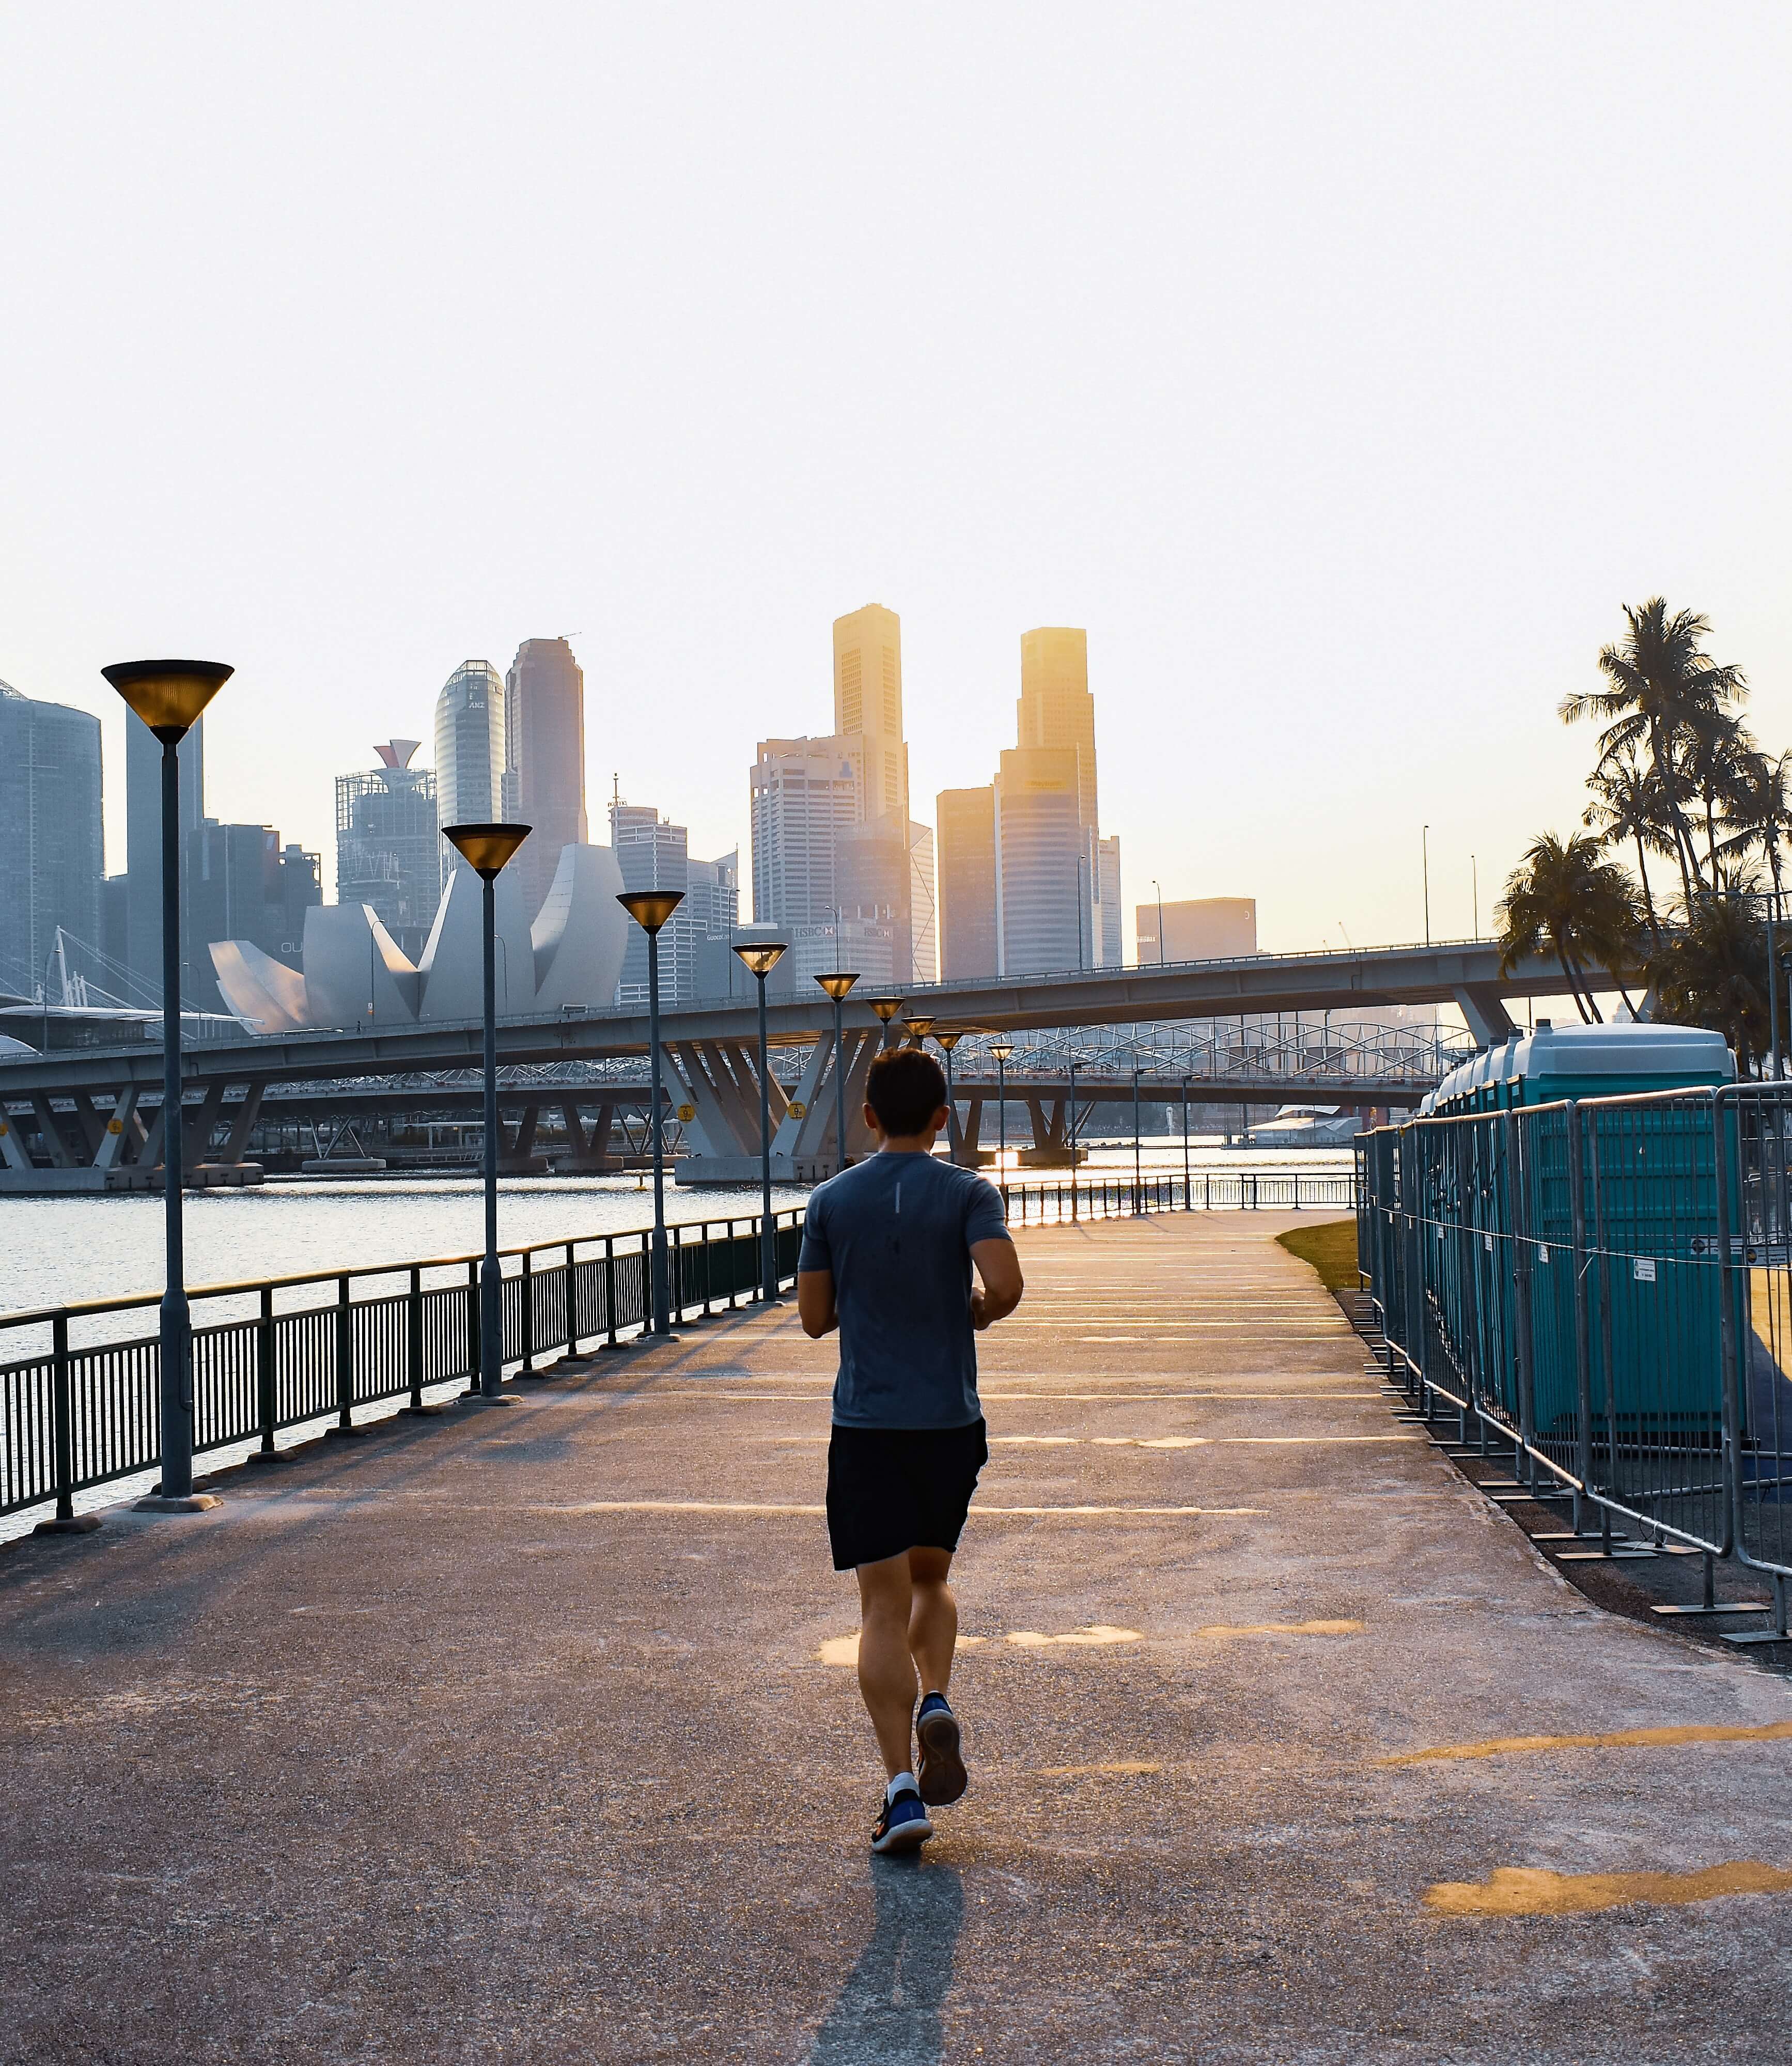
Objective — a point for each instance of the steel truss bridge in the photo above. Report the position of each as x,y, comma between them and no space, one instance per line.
90,1118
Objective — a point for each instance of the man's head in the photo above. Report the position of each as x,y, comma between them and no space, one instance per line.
905,1094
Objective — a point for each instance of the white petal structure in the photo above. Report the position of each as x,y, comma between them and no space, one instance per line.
355,974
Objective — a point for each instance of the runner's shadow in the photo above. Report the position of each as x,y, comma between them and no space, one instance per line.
889,2009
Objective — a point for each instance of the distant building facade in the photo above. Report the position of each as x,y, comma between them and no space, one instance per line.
805,796
388,850
544,739
52,860
243,884
1198,928
1109,940
469,750
967,855
1040,853
923,907
143,844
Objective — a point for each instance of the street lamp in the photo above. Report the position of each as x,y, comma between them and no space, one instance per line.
762,957
919,1031
946,1041
836,985
485,849
1001,1049
1073,1070
886,1009
168,696
650,909
1188,1187
1137,1179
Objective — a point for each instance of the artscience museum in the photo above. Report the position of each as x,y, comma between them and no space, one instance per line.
354,974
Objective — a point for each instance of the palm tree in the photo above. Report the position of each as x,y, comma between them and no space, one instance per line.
1757,812
1708,972
1661,684
1627,804
1565,899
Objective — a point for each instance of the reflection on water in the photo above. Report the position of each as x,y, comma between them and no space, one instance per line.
889,2009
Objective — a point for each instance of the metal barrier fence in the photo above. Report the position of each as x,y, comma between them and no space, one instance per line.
77,1414
1603,1283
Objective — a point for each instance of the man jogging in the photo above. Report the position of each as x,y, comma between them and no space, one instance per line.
887,1252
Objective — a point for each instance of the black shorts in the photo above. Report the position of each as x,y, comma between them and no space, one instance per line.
895,1488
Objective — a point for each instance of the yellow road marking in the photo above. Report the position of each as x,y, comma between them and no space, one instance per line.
1223,1631
1094,1637
1523,1890
1613,1740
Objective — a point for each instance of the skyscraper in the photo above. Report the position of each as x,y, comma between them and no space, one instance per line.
242,883
923,907
387,850
654,854
143,842
1108,939
544,738
1056,708
805,794
868,705
51,857
469,752
966,819
1039,847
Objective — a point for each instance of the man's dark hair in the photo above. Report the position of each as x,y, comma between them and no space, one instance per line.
904,1088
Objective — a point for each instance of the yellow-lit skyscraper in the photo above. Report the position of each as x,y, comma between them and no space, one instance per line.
868,702
1056,708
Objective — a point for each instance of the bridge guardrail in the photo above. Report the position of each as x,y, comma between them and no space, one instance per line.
77,1415
1603,1283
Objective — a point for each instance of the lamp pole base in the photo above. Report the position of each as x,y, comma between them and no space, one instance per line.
191,1502
476,1402
74,1523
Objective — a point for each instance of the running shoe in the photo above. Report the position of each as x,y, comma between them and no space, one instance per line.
903,1824
941,1774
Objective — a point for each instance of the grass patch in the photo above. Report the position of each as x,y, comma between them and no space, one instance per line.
1330,1248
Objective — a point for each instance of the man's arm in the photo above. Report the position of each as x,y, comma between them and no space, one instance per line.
815,1305
999,1265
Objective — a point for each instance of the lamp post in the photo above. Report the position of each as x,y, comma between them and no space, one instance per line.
485,849
168,695
1137,1178
762,957
1001,1049
1073,1071
836,985
946,1040
1188,1186
650,909
1424,864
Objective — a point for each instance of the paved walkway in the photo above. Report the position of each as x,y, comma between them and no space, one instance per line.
509,1736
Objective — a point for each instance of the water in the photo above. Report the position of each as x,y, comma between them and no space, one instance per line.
62,1251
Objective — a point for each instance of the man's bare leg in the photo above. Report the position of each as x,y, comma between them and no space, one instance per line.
885,1668
933,1629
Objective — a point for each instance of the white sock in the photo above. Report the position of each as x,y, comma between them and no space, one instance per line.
902,1783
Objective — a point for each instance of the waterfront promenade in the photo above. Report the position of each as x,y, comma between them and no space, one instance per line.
529,1734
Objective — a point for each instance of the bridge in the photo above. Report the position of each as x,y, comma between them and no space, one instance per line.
93,1112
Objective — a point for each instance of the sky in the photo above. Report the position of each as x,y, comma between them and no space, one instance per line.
1342,369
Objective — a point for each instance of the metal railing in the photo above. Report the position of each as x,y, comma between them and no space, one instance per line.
1603,1283
76,1414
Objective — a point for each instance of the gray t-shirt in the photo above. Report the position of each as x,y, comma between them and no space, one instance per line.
896,1232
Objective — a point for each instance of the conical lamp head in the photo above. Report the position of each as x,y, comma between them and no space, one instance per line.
948,1038
1001,1049
650,909
885,1007
838,983
168,694
919,1031
762,956
486,848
